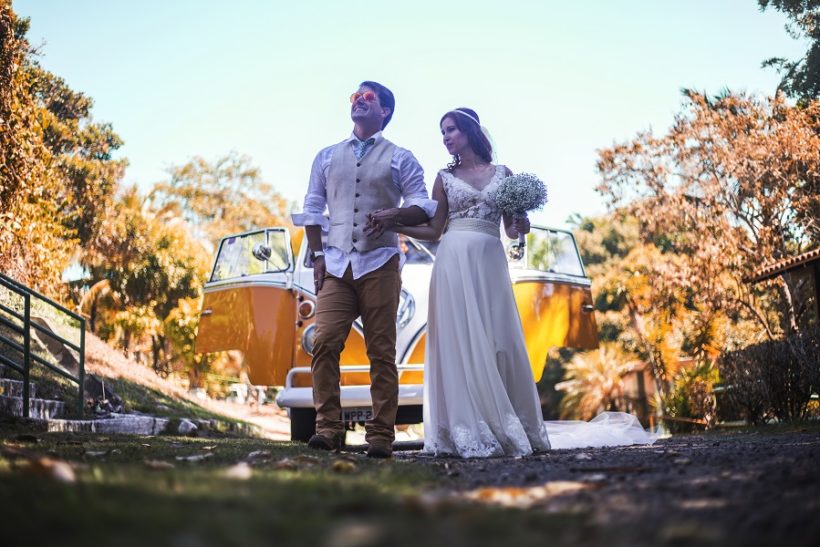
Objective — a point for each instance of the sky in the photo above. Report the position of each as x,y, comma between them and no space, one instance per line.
553,81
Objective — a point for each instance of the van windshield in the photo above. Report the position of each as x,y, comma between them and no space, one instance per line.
547,250
236,257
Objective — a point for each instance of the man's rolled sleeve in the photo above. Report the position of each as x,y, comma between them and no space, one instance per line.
411,182
313,210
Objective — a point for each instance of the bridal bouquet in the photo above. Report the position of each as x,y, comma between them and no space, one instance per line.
520,193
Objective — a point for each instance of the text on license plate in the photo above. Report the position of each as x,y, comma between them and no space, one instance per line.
356,414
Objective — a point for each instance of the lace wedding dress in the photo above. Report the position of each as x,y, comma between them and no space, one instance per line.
479,396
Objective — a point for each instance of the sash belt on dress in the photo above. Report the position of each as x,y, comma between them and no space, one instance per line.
475,225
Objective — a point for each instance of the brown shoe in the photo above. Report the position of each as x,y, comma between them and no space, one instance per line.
322,442
380,449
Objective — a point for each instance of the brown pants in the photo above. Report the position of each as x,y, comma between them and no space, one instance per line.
375,297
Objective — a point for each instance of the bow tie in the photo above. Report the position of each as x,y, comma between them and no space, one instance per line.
362,147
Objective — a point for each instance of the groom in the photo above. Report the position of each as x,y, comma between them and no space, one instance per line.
358,274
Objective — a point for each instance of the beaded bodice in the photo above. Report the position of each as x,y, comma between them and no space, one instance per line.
464,201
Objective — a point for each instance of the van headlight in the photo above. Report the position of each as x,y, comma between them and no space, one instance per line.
309,339
407,308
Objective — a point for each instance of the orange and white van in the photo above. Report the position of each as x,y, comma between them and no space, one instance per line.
260,300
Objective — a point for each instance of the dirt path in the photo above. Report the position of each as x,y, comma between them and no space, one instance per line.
723,489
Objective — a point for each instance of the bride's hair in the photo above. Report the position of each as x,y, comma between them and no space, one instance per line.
468,123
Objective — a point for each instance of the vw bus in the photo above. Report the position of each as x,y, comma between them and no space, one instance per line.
261,300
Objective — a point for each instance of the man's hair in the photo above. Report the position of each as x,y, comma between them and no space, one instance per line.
386,98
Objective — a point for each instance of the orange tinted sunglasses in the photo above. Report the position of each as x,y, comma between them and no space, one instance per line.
368,96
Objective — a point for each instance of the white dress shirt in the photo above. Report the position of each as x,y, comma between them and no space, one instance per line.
408,176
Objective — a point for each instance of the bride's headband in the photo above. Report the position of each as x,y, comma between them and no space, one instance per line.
481,127
458,111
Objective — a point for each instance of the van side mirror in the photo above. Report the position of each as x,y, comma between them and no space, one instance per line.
261,252
515,251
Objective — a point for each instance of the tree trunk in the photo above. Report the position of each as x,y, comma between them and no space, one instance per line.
788,295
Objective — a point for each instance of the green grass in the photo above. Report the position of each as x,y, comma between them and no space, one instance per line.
137,397
324,499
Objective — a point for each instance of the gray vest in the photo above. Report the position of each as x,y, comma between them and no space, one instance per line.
356,188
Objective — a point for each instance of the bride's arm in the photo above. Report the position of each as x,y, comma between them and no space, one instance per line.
433,229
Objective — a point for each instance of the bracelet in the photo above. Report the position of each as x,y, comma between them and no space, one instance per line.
317,254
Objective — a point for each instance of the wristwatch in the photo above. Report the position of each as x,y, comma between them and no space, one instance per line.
316,254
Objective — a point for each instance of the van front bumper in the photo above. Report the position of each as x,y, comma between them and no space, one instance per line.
350,396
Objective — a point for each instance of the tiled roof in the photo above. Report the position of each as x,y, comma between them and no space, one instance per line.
784,265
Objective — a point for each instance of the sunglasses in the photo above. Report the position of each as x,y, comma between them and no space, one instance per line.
368,96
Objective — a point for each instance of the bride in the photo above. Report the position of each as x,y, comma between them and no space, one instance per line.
479,396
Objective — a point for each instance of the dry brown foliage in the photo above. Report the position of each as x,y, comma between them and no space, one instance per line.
734,184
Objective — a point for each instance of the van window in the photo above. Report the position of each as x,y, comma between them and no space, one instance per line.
235,257
547,250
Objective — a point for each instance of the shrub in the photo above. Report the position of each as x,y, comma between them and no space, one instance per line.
691,402
775,378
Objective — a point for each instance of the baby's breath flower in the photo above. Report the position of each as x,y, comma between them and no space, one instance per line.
520,193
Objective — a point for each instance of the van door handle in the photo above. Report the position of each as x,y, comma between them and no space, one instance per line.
207,311
587,308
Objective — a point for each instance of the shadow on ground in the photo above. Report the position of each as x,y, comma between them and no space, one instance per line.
752,488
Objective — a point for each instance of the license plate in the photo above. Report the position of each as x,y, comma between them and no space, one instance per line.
356,414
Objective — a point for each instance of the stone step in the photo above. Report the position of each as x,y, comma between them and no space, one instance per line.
116,423
14,388
143,424
39,409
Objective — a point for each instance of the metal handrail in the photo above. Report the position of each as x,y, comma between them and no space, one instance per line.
26,365
25,369
39,296
42,329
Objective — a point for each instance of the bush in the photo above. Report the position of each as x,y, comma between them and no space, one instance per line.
691,402
774,378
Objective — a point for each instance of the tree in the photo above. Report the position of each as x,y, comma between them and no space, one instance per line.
57,173
145,268
733,185
219,198
801,78
30,247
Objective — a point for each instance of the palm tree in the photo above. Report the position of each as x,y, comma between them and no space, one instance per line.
593,382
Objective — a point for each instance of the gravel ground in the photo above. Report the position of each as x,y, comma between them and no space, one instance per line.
751,488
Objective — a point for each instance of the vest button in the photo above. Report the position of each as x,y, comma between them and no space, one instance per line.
358,180
355,240
358,165
357,195
354,224
355,211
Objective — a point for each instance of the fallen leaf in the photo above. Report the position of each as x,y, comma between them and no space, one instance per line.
258,455
343,466
286,464
158,465
524,497
354,534
209,447
429,502
194,458
241,471
56,469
